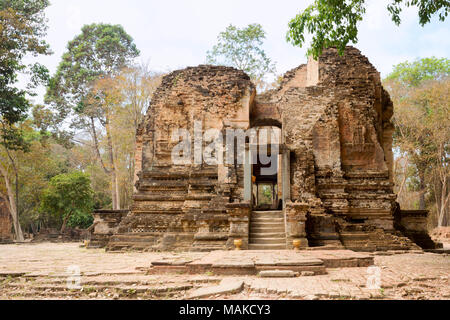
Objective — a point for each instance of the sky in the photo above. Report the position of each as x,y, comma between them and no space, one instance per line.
173,34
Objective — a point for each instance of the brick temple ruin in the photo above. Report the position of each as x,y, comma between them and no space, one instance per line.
334,181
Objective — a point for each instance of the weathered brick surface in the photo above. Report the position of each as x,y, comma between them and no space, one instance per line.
335,120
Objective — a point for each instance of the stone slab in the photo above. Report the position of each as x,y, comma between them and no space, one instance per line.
300,262
234,264
226,286
250,262
278,274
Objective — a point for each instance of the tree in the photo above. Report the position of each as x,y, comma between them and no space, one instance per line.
241,48
22,27
69,197
412,74
45,159
335,22
419,91
136,86
92,59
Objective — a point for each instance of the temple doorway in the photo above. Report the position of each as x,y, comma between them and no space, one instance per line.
265,188
266,171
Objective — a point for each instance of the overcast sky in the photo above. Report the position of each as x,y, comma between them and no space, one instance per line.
173,34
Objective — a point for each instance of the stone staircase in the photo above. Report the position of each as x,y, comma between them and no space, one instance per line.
267,231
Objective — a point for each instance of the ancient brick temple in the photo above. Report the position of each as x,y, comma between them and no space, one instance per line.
333,184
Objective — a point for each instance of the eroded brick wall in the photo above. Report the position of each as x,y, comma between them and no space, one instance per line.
180,206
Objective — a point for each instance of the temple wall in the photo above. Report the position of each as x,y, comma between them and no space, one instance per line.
183,205
336,152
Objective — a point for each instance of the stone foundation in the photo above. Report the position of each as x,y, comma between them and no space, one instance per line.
106,223
413,224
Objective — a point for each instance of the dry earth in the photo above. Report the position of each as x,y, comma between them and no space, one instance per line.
39,271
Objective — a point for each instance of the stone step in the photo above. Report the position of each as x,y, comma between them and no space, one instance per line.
268,214
269,229
270,234
278,220
266,224
267,246
280,241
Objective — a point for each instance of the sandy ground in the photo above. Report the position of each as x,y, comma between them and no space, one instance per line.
49,271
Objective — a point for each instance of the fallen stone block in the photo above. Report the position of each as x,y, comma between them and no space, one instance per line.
226,286
278,274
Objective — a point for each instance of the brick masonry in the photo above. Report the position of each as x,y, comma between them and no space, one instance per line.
336,140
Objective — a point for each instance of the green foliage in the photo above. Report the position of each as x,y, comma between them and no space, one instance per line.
69,197
420,92
414,73
334,23
241,48
22,28
44,160
427,8
100,50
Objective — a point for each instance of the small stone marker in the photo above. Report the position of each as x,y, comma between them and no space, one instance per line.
277,274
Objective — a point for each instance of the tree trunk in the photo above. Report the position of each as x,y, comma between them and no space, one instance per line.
442,213
422,191
112,171
114,191
117,187
63,227
114,178
444,180
11,203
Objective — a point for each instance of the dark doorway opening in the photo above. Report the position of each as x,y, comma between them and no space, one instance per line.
265,188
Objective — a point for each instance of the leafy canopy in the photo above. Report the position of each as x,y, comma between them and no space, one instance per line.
420,92
414,73
22,28
241,48
101,50
69,197
335,22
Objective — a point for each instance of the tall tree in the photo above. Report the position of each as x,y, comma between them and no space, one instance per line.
100,52
241,48
421,101
22,28
44,159
125,98
136,86
335,22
